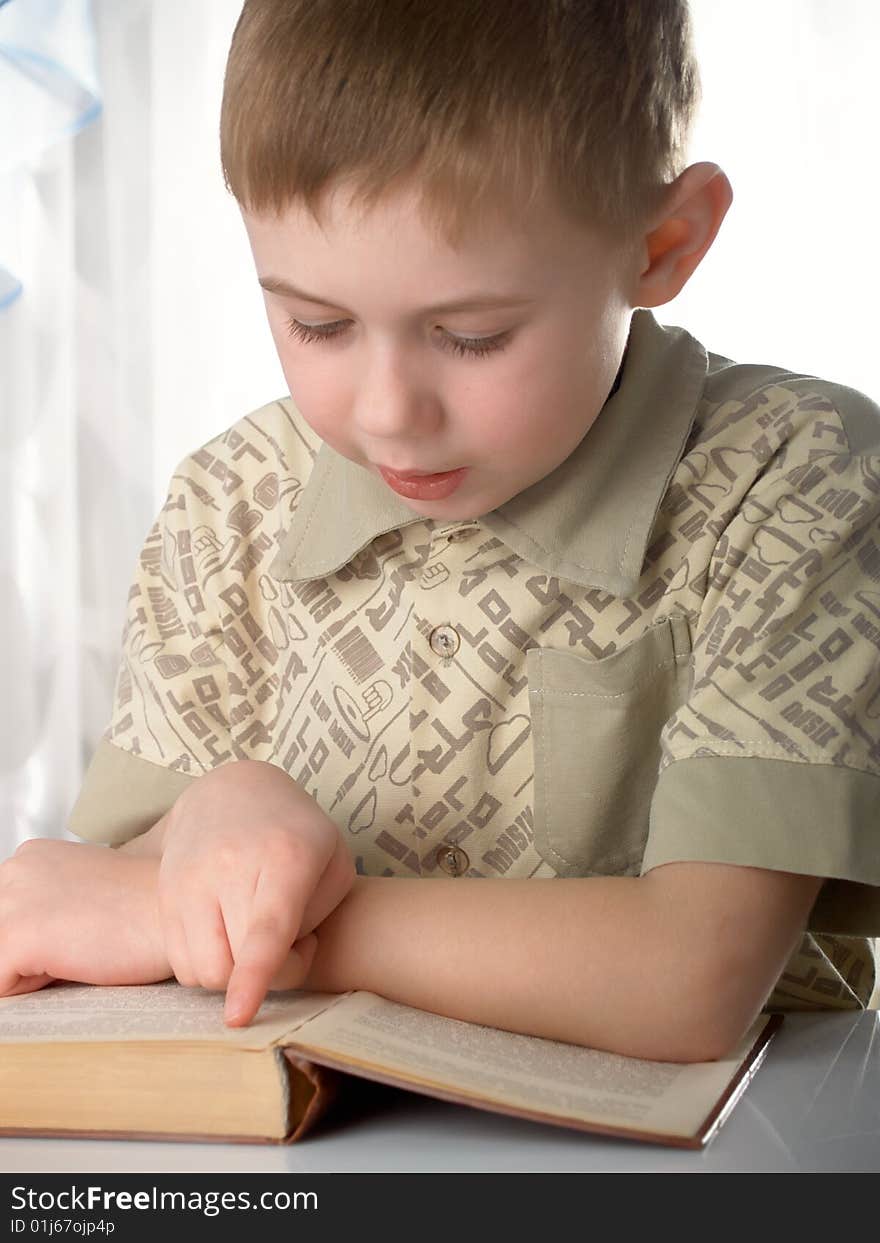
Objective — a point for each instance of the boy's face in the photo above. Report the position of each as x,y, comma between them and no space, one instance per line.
392,387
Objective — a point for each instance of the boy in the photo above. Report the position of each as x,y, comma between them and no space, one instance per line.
623,638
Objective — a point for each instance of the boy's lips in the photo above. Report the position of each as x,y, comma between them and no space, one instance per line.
417,474
434,486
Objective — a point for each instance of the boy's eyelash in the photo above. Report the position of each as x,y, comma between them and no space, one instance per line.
472,347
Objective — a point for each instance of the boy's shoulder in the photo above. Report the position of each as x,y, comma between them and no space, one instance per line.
773,410
756,433
254,470
273,439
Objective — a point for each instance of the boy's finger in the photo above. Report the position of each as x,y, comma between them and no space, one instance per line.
256,964
207,943
12,984
296,965
275,917
243,1000
174,939
179,959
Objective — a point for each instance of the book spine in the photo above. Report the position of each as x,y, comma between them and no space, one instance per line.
313,1089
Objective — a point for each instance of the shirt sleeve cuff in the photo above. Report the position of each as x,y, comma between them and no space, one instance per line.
123,795
788,816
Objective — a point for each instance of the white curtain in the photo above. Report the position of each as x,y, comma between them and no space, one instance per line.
132,329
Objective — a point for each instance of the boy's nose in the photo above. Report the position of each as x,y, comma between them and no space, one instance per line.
395,417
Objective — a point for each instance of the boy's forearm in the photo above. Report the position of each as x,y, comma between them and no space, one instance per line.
586,961
149,843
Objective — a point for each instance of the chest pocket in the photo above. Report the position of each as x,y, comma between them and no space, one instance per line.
596,728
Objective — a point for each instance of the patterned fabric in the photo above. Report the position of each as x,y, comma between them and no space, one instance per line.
664,650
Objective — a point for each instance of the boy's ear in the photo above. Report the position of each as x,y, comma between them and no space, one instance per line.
696,204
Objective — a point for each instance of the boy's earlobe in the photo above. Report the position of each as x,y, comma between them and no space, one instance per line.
678,243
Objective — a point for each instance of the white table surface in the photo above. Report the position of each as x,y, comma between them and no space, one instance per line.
814,1105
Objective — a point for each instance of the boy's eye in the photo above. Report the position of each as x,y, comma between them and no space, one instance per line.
474,347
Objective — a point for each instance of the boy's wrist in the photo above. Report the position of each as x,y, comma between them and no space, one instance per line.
331,969
152,842
146,921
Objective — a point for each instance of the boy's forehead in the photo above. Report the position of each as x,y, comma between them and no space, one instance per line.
497,246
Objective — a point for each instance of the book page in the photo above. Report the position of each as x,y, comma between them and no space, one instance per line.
65,1011
528,1072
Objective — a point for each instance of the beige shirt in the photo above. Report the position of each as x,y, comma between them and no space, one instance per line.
666,649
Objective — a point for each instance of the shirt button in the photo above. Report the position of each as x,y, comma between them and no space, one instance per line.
452,859
445,640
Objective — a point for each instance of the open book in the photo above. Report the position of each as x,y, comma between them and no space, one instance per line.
157,1062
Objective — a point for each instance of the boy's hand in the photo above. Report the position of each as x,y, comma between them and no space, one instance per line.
76,911
250,865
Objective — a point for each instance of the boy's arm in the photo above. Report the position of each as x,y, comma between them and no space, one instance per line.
148,843
672,966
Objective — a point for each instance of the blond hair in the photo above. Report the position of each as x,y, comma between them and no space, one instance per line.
483,104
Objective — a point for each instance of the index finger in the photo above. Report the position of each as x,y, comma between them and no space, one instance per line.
272,928
240,1008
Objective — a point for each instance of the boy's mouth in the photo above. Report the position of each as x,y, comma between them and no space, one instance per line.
435,486
416,474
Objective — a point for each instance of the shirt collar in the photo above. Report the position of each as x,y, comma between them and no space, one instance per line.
588,521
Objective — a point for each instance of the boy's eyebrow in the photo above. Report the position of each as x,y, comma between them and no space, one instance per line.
274,284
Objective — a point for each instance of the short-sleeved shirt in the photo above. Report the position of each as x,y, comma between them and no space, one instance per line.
666,649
